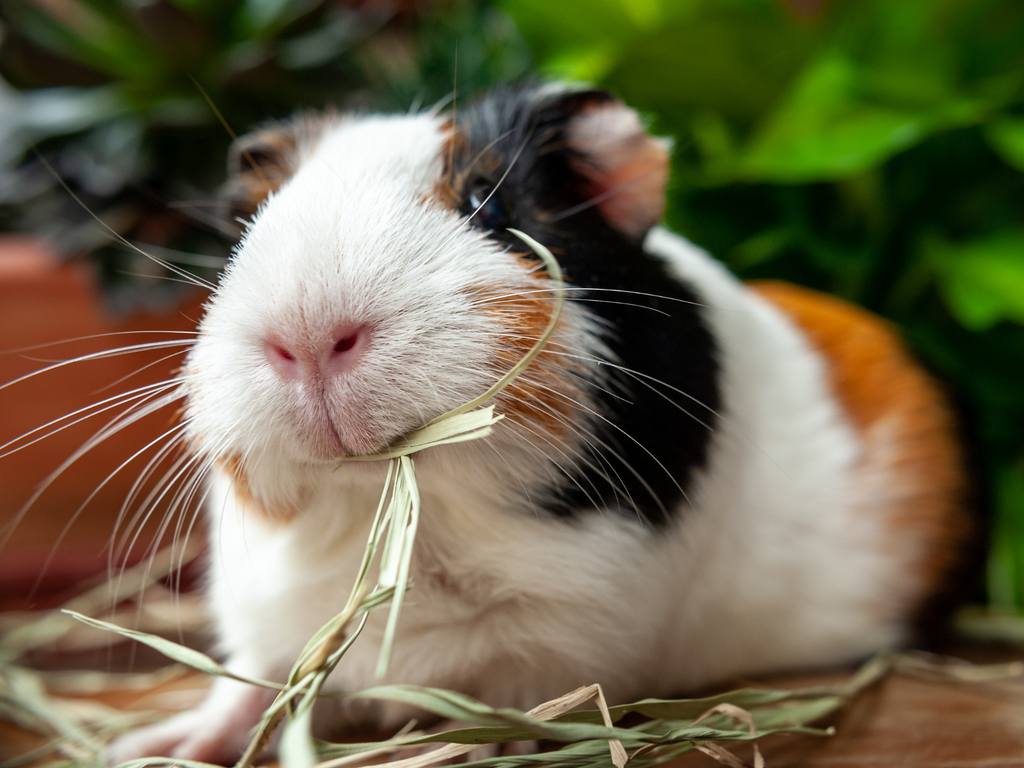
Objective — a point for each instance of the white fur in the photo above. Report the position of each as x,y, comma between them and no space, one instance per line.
777,564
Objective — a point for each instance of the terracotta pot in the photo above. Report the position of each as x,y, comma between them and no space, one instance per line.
43,301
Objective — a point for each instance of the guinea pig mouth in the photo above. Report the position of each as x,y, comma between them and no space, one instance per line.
330,428
326,441
327,433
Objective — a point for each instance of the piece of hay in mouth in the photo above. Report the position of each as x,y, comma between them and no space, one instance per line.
470,421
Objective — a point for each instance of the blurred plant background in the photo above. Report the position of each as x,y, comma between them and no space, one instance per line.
869,148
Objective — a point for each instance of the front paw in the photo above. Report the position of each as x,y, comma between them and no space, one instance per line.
217,731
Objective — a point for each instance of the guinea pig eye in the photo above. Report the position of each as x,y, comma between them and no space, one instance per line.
485,206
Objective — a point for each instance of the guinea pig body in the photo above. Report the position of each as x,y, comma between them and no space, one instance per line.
695,480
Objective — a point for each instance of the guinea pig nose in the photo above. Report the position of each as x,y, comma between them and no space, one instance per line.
305,358
345,345
282,359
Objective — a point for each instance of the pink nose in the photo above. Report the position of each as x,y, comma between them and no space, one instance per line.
302,359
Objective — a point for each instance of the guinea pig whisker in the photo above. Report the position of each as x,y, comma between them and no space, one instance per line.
639,378
643,378
176,508
511,300
120,531
598,199
592,459
204,260
179,546
441,103
101,355
90,337
479,155
165,485
131,414
194,210
583,289
176,434
196,505
650,381
607,448
600,450
117,235
589,382
548,466
464,223
162,278
185,476
153,548
82,414
137,371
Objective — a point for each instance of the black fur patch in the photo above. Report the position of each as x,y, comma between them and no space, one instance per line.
656,437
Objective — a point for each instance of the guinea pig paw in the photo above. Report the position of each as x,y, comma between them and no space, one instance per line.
218,731
185,736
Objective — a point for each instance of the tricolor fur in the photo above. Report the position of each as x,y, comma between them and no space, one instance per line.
684,490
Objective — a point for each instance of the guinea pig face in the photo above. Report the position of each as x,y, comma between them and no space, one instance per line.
351,311
376,287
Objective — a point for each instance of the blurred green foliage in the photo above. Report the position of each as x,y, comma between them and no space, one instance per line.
113,94
873,149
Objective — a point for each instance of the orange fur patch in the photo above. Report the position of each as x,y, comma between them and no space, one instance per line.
450,190
542,396
266,172
882,388
247,501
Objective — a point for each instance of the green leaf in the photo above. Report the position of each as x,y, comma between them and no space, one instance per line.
829,128
298,750
262,19
733,59
100,39
1006,135
982,281
179,653
590,64
554,27
1004,625
1006,564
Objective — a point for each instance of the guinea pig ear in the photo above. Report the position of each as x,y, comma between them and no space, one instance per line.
260,162
625,169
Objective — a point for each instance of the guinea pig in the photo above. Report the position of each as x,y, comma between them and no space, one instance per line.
696,479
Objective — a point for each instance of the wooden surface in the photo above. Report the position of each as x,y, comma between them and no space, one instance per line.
909,722
902,721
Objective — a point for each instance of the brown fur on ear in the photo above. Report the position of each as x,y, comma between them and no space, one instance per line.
627,168
260,162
